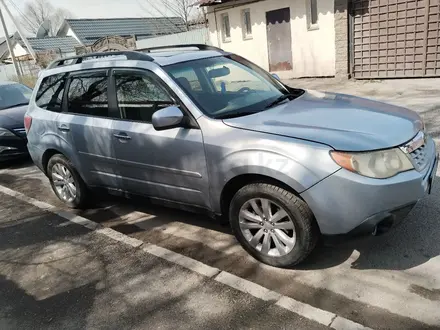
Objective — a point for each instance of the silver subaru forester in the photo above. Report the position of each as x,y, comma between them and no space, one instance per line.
203,128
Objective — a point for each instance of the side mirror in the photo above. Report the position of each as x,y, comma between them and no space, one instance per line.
167,118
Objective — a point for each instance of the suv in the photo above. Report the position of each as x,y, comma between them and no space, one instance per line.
208,129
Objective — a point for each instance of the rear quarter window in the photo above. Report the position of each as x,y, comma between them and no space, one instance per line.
50,93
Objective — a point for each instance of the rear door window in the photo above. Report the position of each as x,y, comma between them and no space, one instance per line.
88,94
139,95
50,93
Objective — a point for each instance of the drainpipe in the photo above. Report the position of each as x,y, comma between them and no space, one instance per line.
216,29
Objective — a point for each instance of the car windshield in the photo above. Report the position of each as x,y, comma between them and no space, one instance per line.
227,86
12,95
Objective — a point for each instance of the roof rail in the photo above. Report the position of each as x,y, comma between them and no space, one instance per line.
199,46
130,55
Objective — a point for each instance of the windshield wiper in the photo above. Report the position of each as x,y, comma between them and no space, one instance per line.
15,105
279,100
236,114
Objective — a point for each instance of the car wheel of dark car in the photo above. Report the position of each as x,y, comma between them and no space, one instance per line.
66,182
273,225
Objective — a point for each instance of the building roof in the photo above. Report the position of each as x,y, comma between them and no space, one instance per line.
63,44
211,2
4,51
90,30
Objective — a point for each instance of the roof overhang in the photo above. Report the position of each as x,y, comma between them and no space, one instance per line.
206,3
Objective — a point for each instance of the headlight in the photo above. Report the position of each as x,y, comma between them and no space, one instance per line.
5,132
377,164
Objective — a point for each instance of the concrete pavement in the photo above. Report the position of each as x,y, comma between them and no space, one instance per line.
387,282
58,275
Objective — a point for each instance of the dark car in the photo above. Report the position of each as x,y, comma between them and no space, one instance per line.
14,99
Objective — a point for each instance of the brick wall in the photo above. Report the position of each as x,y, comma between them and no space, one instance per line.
341,38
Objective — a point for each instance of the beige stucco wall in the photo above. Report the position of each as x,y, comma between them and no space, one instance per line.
313,52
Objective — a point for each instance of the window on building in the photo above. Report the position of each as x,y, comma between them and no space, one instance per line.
226,28
312,14
247,25
50,93
139,96
88,95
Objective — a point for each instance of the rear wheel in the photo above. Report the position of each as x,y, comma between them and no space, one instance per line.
66,182
273,225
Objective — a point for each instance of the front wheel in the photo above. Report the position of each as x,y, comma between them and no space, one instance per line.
66,182
273,225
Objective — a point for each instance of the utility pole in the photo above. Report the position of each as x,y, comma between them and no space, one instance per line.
11,50
20,31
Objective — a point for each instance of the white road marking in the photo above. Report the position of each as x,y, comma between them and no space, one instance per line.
306,310
341,323
117,236
78,220
179,259
247,286
302,309
27,199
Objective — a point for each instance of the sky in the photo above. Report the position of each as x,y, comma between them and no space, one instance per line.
91,9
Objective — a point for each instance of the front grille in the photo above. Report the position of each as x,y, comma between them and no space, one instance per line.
420,158
20,131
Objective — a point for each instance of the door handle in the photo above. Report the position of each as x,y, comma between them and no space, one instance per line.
63,128
122,136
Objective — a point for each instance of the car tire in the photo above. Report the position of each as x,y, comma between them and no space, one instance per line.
285,242
59,165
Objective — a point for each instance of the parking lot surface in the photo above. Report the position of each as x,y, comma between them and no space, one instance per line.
57,274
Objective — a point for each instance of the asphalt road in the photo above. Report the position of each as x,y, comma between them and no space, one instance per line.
58,275
387,282
54,274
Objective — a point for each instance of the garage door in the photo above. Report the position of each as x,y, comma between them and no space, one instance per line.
395,38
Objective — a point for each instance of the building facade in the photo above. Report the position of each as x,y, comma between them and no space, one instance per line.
290,37
363,39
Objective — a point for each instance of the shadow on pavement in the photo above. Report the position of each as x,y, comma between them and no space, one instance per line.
20,310
16,163
159,215
412,243
71,278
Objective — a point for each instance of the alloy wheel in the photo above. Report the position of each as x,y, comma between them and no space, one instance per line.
64,182
267,227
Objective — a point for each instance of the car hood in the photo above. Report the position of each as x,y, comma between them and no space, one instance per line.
13,117
344,122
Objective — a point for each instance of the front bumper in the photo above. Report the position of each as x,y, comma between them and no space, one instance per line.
12,147
348,203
